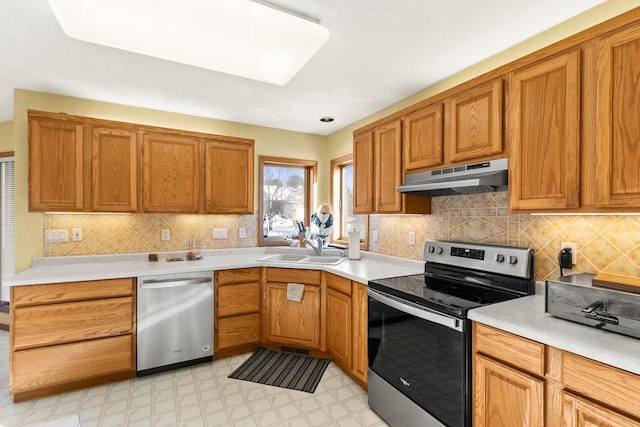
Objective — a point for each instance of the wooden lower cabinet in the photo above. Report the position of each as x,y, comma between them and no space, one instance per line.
578,412
293,323
546,386
71,335
339,326
506,397
359,301
237,310
48,366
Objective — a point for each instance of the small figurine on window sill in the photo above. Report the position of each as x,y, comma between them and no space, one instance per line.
322,223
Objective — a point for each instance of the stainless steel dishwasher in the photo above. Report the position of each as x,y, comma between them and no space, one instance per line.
175,321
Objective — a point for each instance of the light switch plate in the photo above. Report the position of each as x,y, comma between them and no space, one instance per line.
412,238
76,234
166,235
374,235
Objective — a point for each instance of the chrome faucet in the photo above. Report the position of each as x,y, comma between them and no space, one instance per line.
317,248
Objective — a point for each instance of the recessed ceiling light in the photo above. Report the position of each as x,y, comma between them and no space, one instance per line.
326,119
239,37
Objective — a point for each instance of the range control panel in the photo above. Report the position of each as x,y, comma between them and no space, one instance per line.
467,253
507,260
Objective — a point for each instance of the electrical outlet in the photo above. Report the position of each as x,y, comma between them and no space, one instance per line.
374,235
219,233
574,251
166,235
412,238
76,234
242,232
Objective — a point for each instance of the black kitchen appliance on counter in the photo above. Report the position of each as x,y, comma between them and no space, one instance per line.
420,336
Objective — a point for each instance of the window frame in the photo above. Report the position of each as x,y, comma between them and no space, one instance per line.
335,184
311,177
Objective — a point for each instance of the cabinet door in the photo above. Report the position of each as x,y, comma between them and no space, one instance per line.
422,139
339,328
42,367
56,165
475,123
544,126
237,330
505,397
291,322
579,412
388,167
618,127
363,180
114,170
360,332
171,173
232,300
228,177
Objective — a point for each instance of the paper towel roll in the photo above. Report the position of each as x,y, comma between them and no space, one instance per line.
354,245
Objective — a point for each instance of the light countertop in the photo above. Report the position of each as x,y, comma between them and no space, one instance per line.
526,317
72,269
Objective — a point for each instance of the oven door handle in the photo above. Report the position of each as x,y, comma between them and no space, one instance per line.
422,313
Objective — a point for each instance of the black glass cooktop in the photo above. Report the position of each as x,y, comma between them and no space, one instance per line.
450,297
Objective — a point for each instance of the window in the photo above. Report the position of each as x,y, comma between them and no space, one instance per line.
7,236
342,200
287,187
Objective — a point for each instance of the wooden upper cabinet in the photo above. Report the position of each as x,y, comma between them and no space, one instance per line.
56,165
114,166
475,123
423,137
544,130
618,125
171,173
228,178
363,176
388,167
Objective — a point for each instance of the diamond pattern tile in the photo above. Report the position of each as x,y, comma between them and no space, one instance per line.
605,243
201,395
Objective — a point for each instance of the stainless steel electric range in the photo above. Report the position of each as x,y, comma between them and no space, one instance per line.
420,336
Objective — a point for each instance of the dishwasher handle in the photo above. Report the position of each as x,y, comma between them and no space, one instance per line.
173,283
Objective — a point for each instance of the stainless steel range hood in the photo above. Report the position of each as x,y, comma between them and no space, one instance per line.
474,178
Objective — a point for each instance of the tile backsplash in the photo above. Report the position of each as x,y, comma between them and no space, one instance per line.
134,233
605,243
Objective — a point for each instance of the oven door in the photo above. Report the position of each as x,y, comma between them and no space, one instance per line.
423,354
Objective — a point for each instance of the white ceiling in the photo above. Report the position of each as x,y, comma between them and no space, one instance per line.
379,52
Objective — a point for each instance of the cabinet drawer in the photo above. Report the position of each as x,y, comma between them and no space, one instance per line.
339,283
70,291
527,355
238,330
285,275
49,324
47,366
606,384
240,275
238,299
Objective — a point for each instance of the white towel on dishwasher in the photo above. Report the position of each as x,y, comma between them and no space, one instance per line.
295,291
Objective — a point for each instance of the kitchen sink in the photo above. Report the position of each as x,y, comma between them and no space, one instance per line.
324,260
304,259
284,258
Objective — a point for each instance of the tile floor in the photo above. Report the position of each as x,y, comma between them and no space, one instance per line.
198,396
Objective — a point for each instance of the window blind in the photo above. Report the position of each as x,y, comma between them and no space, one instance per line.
7,221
